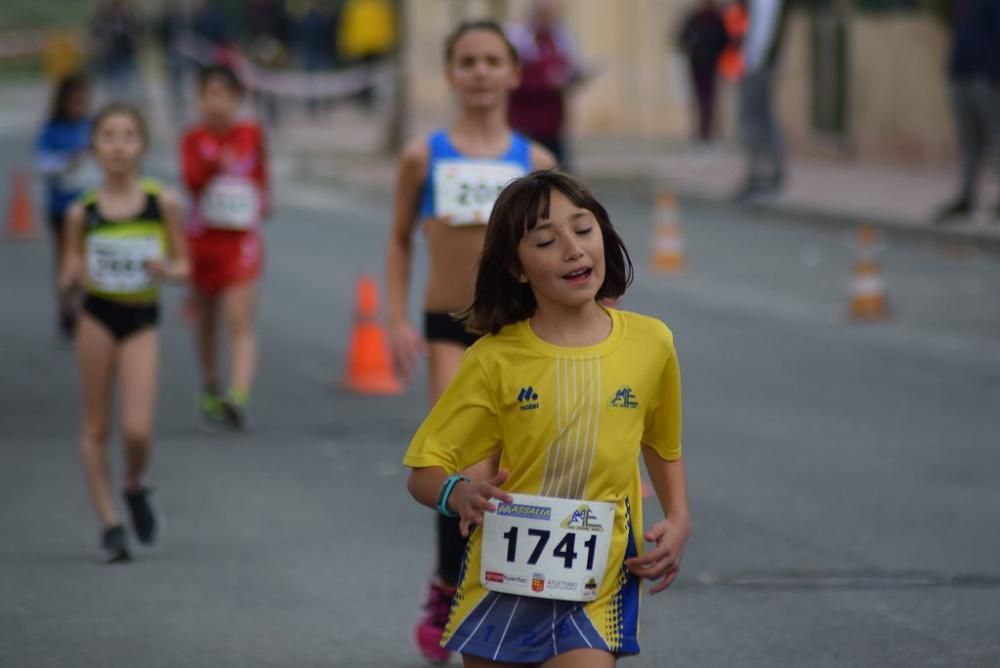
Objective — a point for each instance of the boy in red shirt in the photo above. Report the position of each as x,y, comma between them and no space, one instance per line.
225,170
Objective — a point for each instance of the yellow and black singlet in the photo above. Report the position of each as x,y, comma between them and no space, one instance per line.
116,250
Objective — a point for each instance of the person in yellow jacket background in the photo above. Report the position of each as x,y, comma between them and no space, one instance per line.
367,33
367,30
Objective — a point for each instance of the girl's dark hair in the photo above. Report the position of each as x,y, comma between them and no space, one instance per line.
124,109
223,73
501,299
479,24
65,89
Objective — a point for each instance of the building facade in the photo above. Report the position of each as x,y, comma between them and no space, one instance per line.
860,84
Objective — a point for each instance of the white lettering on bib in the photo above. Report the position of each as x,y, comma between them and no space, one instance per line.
231,202
547,547
117,264
465,190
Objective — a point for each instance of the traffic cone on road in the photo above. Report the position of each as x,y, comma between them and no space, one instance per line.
668,242
369,364
20,214
868,298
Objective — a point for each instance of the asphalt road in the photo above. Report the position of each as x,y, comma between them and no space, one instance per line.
844,478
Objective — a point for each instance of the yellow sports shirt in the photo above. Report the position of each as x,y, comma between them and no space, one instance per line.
567,422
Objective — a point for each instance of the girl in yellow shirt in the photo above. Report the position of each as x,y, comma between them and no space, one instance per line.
567,393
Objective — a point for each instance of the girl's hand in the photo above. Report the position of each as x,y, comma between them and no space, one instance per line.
176,270
407,347
664,560
157,269
69,277
471,499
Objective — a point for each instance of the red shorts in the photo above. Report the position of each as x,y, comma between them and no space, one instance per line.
223,258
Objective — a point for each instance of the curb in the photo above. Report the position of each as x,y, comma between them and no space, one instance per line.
985,238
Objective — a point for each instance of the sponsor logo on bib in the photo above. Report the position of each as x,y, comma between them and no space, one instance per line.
524,511
582,518
538,582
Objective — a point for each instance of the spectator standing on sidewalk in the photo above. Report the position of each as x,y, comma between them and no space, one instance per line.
170,28
549,69
763,145
974,82
115,34
208,23
703,38
367,34
313,42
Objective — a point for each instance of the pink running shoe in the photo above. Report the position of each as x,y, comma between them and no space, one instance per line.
430,629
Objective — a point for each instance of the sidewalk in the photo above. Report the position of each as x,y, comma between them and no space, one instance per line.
343,148
894,198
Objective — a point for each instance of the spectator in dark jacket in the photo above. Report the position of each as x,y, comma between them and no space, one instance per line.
208,23
974,81
763,145
115,34
703,38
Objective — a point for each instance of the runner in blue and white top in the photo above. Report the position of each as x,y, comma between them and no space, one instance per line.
446,185
63,159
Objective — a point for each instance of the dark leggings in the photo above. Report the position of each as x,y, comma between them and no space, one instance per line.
451,550
442,327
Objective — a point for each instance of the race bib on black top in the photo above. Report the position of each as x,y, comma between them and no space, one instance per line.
116,264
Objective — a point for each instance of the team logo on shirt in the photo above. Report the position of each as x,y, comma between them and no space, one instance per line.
528,398
583,519
624,398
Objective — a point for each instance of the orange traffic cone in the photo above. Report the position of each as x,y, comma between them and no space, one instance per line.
668,242
20,216
868,299
369,364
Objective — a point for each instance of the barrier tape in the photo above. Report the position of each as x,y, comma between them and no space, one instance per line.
21,43
306,85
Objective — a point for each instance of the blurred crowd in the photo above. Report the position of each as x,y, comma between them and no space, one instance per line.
741,41
738,42
309,36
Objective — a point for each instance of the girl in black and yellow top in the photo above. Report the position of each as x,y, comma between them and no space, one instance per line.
122,239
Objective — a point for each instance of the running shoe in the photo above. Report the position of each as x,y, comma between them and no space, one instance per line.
145,522
213,411
114,545
430,628
234,408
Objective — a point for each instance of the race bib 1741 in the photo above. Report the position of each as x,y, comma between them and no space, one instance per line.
118,264
231,202
465,190
546,547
